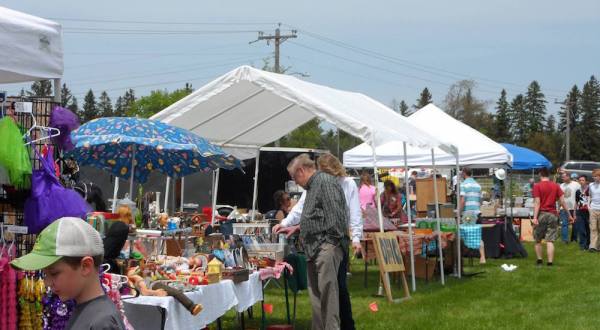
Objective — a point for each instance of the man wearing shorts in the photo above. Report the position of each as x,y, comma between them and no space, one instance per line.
545,215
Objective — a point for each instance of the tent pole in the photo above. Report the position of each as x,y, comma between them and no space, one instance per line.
409,215
57,90
115,193
215,192
437,217
378,201
255,192
168,184
458,216
132,172
181,195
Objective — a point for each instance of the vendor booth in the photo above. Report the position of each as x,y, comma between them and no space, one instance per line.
248,108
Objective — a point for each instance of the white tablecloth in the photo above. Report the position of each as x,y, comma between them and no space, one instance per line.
216,299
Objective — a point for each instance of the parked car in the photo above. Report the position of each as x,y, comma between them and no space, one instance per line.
580,167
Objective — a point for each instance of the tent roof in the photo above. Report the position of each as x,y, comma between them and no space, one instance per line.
474,148
31,47
248,108
526,159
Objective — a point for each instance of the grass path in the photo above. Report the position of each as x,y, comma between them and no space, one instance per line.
564,296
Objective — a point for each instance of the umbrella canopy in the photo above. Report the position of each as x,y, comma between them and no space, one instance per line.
112,143
526,159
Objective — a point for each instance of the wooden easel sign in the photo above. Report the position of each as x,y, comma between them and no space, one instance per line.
389,259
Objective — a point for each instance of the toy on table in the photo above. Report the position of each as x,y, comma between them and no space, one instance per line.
162,290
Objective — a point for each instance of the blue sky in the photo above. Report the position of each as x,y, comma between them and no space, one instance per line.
500,44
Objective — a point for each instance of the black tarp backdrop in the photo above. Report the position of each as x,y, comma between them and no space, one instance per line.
236,188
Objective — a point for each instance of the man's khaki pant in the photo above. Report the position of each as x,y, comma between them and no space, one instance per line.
594,228
323,287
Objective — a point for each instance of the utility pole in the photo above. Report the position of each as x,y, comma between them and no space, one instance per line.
568,129
278,39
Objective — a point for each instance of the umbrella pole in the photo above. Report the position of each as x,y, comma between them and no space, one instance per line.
255,191
115,193
215,192
409,215
132,172
168,185
437,216
182,194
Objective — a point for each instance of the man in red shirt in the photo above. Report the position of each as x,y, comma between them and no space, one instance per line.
545,215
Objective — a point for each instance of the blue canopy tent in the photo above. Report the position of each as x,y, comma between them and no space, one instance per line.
526,159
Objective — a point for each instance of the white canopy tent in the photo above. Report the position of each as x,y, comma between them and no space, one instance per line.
476,150
31,48
248,108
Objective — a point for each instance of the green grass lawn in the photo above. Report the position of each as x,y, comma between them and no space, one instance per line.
564,296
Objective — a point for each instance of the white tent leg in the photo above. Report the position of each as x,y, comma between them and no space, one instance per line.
215,192
255,192
458,217
182,195
115,194
379,213
410,231
168,185
132,172
437,216
57,90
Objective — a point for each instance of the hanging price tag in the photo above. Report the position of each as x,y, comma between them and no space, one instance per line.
16,229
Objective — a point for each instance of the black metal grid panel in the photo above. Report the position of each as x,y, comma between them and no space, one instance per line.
11,200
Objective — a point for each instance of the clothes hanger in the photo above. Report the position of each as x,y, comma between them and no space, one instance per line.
52,131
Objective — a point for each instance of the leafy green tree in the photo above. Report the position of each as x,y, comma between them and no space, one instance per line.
461,104
502,119
90,108
105,108
305,136
535,106
146,106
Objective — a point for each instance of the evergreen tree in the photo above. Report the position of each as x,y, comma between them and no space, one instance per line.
188,88
551,125
67,100
401,107
90,108
572,105
535,106
42,88
424,99
519,119
128,100
502,119
589,137
119,107
105,108
404,109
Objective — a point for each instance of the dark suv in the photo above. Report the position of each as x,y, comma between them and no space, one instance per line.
581,167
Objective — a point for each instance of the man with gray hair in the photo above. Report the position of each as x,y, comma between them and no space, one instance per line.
324,237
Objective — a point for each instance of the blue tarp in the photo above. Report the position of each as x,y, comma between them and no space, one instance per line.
526,159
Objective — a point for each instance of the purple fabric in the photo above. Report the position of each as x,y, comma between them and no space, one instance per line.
49,200
66,121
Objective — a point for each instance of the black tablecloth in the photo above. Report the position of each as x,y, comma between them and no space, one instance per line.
501,243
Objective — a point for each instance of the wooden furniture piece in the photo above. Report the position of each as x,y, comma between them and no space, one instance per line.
425,192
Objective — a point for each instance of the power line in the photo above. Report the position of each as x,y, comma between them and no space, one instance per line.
407,63
157,22
150,32
192,67
277,39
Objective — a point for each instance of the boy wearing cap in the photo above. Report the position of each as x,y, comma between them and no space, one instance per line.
70,251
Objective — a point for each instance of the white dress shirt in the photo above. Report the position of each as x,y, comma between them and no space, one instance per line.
352,203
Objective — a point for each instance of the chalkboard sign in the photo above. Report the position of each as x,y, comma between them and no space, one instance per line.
389,258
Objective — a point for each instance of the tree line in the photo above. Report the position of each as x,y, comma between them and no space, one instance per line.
521,120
